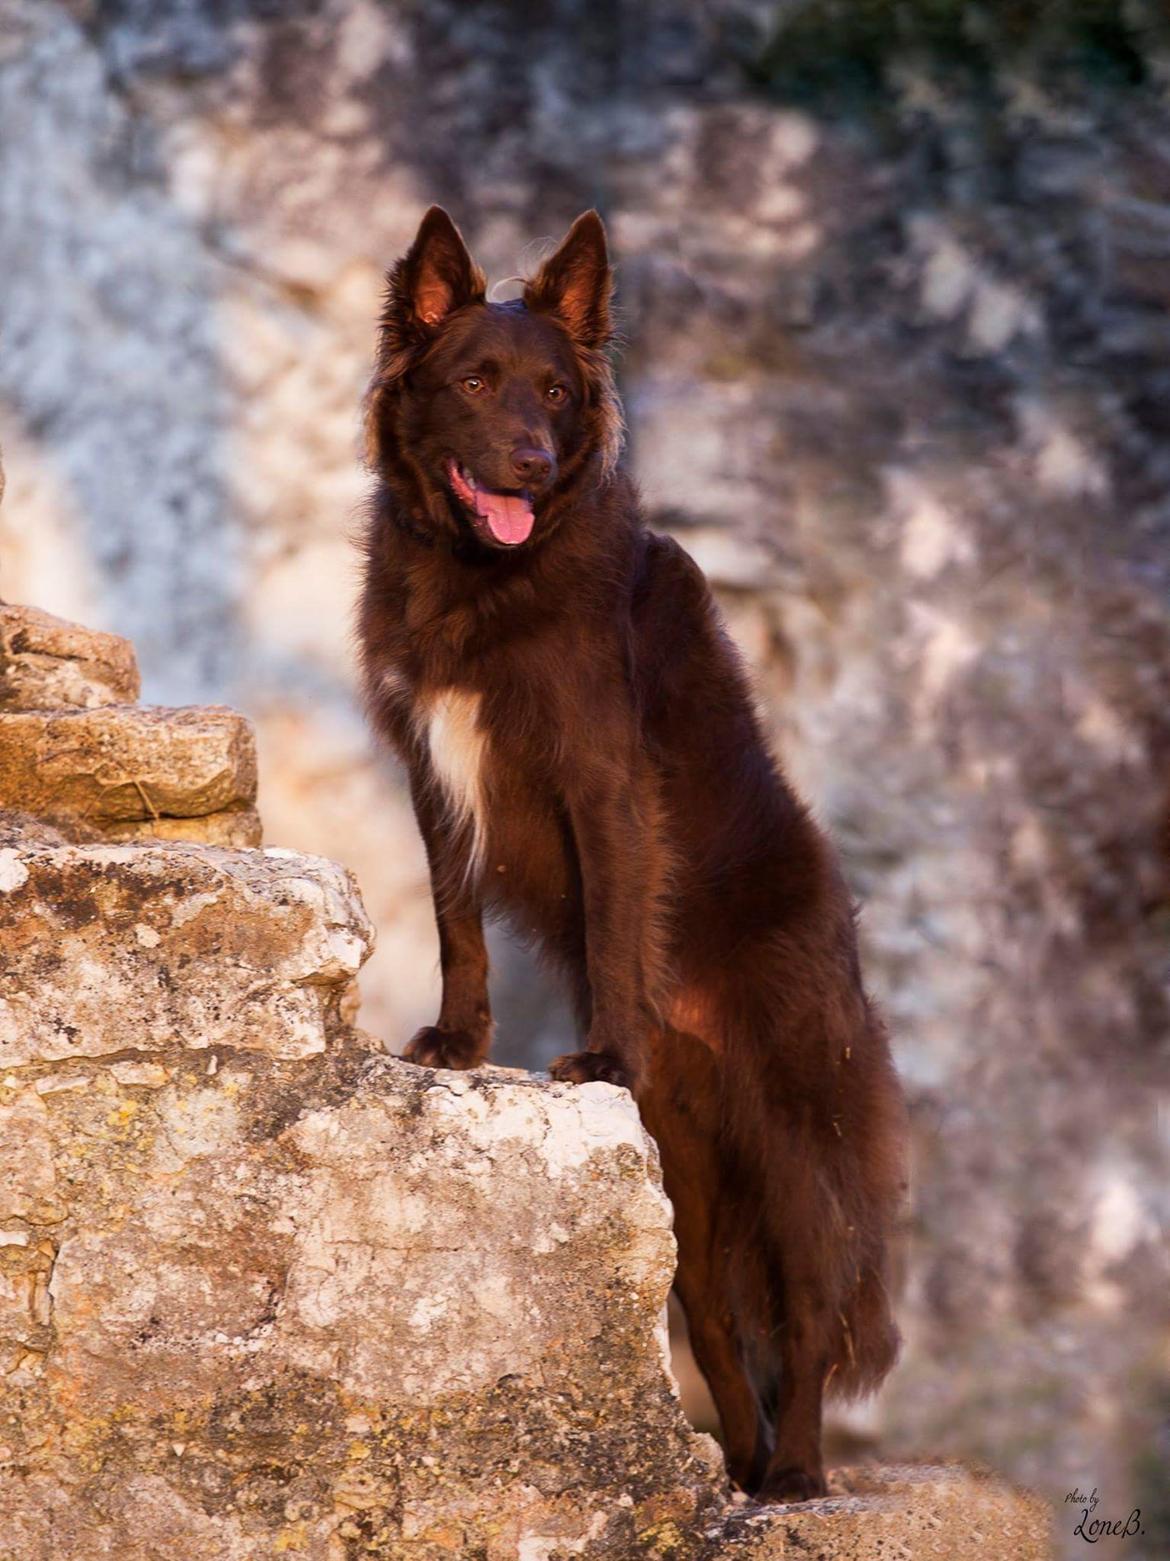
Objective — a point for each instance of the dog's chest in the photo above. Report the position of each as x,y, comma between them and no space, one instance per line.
449,725
490,783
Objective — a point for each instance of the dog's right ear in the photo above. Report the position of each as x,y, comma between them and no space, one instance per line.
575,283
435,276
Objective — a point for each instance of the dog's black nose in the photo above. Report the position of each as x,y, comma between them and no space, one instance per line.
531,465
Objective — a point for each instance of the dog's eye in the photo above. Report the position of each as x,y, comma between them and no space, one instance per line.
556,393
473,384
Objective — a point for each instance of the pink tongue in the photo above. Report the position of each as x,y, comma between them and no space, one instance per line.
509,516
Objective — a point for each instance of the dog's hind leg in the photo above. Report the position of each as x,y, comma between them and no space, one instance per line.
679,1102
795,1471
715,1342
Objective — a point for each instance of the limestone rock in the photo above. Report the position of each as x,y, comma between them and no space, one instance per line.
22,829
46,662
337,1306
72,747
145,945
237,828
265,1290
123,765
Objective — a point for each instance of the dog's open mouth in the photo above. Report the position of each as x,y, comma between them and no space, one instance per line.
498,514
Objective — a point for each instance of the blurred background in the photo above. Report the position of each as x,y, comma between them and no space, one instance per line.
893,281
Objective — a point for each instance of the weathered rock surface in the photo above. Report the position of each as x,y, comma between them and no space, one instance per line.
236,828
147,945
127,765
46,662
899,1514
336,1306
74,748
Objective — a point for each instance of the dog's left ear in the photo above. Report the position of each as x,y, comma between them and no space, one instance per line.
576,282
436,275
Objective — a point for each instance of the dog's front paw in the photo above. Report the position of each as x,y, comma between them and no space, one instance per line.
791,1484
590,1068
435,1048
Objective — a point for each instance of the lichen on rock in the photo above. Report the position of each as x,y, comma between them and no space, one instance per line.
146,945
339,1306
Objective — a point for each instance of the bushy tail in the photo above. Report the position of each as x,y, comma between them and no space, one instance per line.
812,1150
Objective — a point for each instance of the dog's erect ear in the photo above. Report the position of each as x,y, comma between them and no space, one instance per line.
575,283
436,275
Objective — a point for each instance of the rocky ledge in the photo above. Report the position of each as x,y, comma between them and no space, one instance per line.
266,1290
76,748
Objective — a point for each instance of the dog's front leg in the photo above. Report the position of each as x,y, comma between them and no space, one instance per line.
616,852
463,1034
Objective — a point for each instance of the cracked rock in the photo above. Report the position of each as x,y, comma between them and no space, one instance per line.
124,766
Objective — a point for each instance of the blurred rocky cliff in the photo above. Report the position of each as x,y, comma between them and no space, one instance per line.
897,370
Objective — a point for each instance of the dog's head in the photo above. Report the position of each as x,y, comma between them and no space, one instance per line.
487,416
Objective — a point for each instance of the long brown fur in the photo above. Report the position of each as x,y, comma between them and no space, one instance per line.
626,814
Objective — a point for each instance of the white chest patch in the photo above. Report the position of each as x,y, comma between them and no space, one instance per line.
457,744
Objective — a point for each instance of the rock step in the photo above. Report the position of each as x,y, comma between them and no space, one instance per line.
238,829
46,662
151,945
125,770
338,1306
282,1307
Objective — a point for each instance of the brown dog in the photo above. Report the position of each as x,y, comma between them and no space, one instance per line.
585,760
